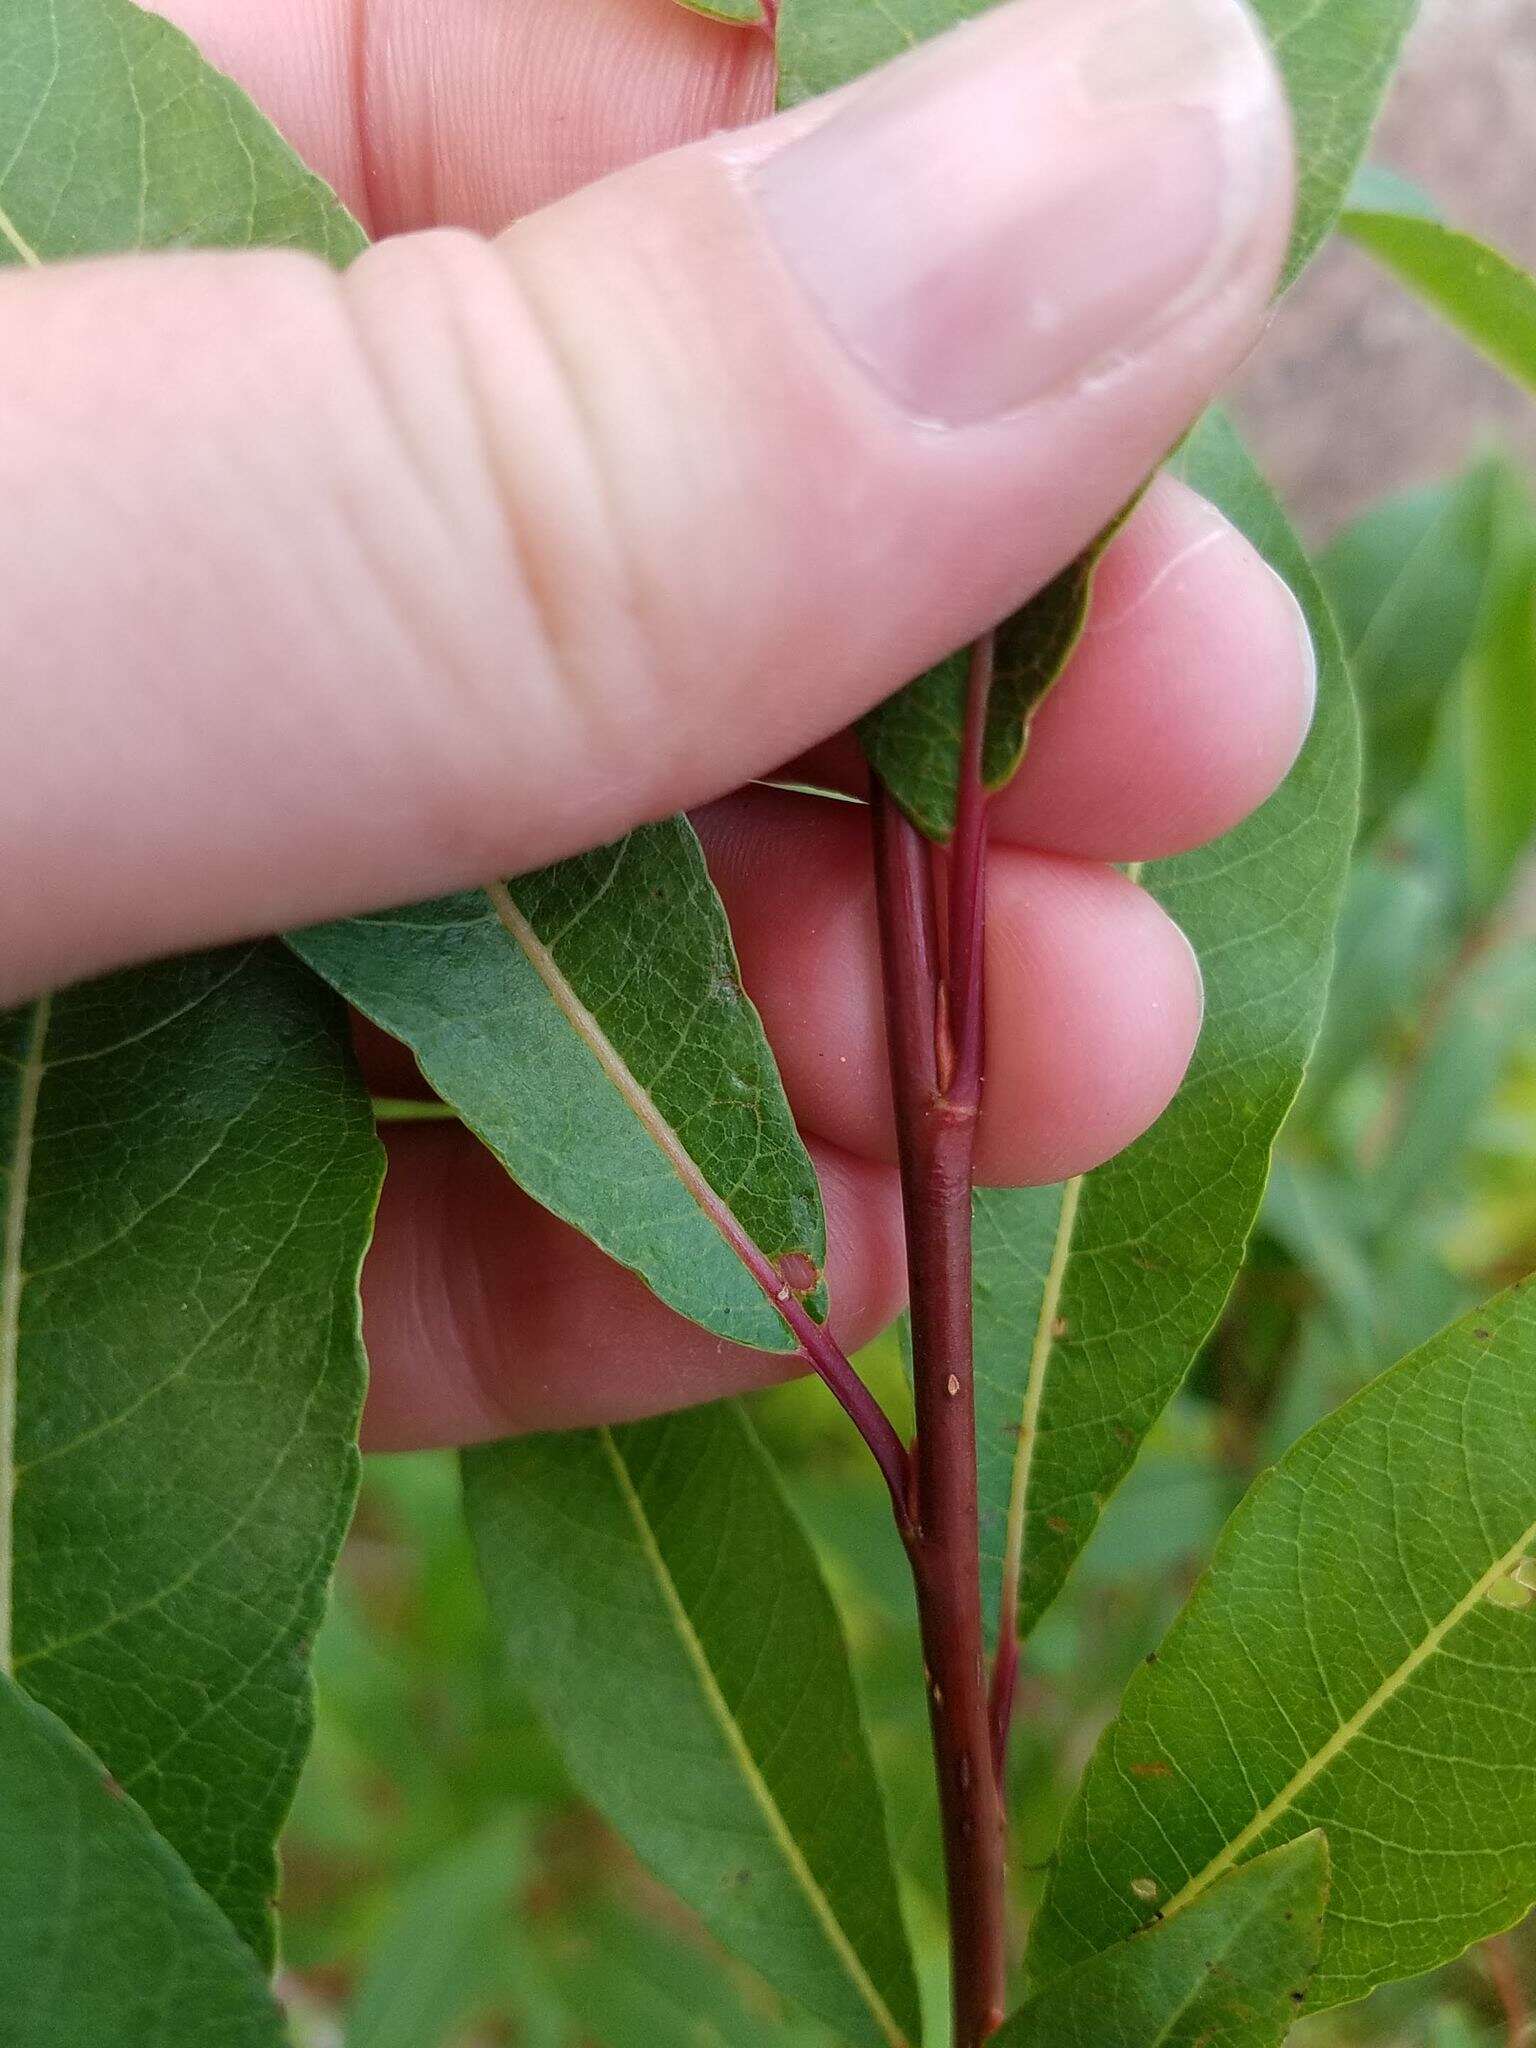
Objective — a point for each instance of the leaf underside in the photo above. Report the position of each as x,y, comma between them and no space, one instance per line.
1092,1299
187,1163
1408,583
108,1942
663,1607
1360,1658
635,936
1230,1971
913,740
196,1172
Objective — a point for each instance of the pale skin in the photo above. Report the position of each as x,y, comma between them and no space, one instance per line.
335,594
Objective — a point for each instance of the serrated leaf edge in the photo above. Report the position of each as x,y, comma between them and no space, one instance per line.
736,1742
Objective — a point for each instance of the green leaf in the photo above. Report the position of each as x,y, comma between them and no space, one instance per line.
438,1960
1092,1299
1487,1015
663,1607
913,740
1322,1217
187,1178
1482,293
736,12
1360,1658
189,1172
1396,931
108,1942
1230,1971
1409,585
121,137
1496,743
630,1985
588,1024
1338,57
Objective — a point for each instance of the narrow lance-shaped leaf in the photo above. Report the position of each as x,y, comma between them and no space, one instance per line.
1482,1021
1336,56
108,1941
663,1607
1093,1298
1483,293
1496,740
1230,1971
442,1953
1409,586
630,1983
588,1023
187,1178
1361,1658
186,1166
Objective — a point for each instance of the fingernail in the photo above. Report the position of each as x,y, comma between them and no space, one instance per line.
1036,195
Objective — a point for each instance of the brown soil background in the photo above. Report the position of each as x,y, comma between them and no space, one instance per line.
1356,391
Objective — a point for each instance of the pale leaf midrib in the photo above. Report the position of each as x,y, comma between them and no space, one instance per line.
741,1753
636,1097
1345,1733
18,241
12,1282
1041,1353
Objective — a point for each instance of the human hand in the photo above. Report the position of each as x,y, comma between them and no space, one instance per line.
326,594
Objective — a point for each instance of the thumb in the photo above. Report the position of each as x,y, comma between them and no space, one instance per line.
340,592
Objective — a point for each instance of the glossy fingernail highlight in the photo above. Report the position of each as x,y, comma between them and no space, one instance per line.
1035,196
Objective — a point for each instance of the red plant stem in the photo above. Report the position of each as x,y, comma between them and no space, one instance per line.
828,1361
934,1028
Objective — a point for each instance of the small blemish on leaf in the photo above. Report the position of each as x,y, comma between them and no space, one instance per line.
1058,1525
1144,1888
1060,1327
798,1272
111,1787
1151,1770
